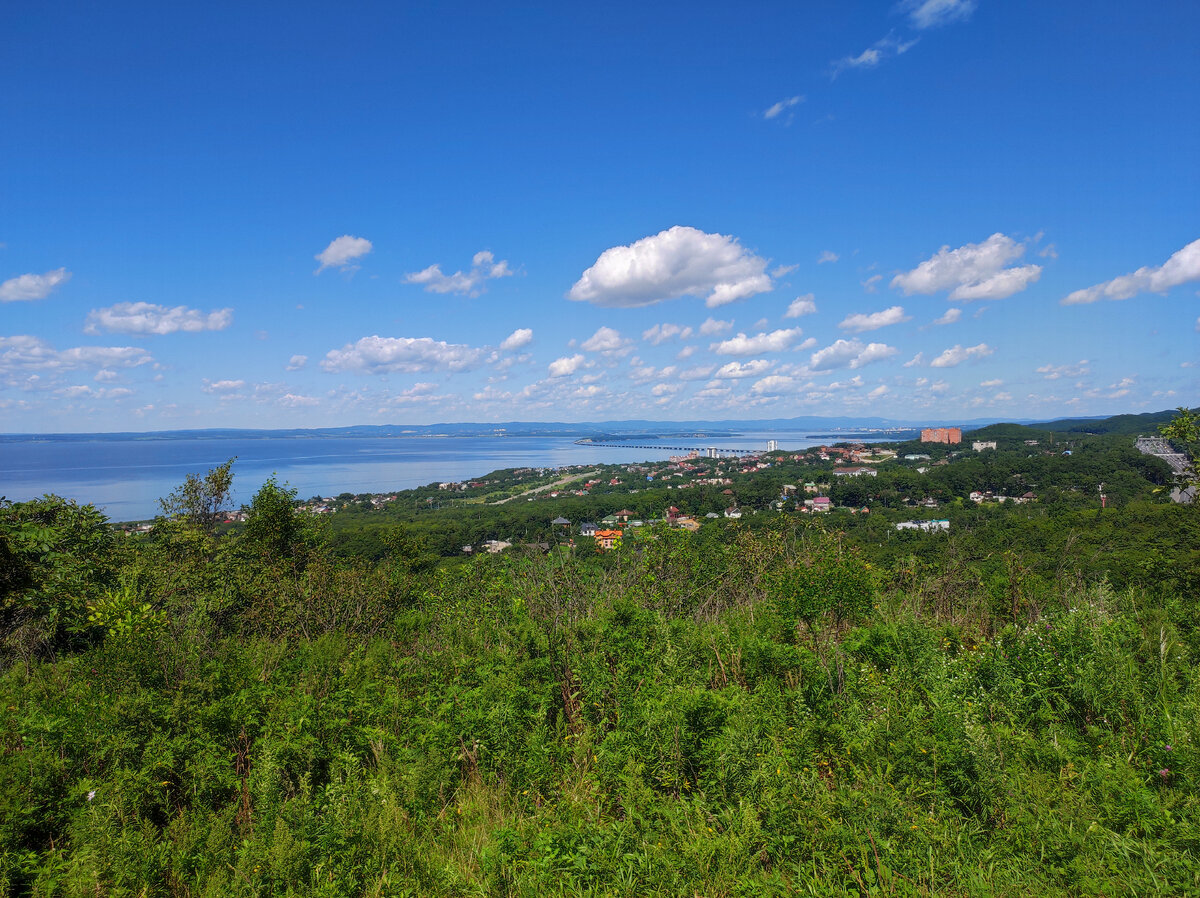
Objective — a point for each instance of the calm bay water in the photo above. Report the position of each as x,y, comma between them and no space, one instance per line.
125,478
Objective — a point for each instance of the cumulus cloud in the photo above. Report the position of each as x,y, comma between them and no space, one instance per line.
956,355
827,255
1182,267
565,366
777,109
661,333
924,14
995,382
519,338
296,362
916,361
800,306
32,286
951,316
27,353
737,370
973,271
878,392
680,261
144,318
775,341
860,322
849,354
484,267
295,400
383,355
605,340
342,252
773,385
714,328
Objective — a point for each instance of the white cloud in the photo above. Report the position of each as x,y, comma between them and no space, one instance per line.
775,341
996,382
735,370
782,106
1183,266
665,389
713,328
924,14
1054,372
681,261
859,322
951,316
849,354
699,372
871,284
484,267
144,318
956,355
27,353
973,271
566,366
882,49
774,385
293,400
916,361
224,388
32,286
519,338
660,333
606,340
296,362
827,256
382,355
342,252
878,392
801,305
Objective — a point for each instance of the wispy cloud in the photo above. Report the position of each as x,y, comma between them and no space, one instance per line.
32,286
924,14
884,48
801,306
484,267
777,109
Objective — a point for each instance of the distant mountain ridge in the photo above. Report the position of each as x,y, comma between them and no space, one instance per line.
1127,423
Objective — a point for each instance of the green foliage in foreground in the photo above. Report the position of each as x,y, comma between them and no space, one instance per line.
684,717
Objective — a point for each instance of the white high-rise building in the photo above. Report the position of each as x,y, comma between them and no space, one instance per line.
772,445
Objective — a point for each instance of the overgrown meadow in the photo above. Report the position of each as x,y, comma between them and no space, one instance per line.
739,712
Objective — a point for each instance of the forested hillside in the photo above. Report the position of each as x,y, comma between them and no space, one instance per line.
782,703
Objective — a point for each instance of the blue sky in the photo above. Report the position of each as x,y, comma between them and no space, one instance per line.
265,215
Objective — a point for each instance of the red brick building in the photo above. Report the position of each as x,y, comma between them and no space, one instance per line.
941,435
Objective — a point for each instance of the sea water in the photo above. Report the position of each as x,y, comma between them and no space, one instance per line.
125,478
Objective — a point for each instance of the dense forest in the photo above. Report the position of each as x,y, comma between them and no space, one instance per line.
778,704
